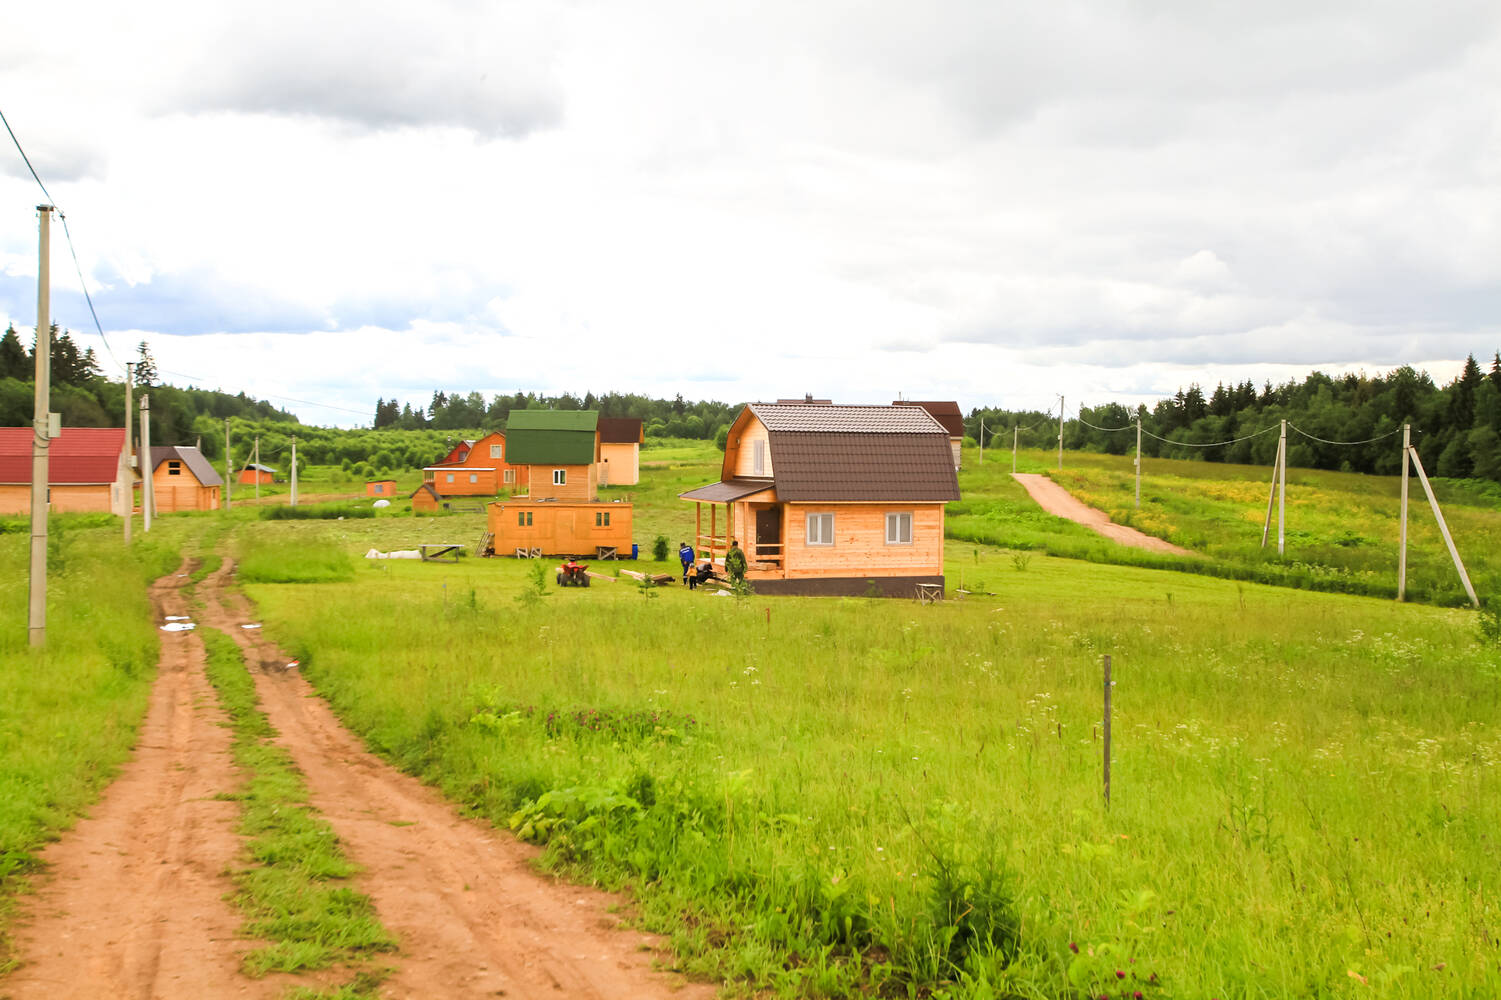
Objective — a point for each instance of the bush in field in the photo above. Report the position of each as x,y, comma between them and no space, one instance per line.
659,546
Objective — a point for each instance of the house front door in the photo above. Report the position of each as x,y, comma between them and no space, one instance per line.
769,533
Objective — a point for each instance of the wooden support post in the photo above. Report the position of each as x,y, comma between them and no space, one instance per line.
713,526
1402,543
1442,527
1105,722
698,525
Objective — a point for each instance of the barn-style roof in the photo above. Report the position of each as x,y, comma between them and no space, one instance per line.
78,456
551,437
620,430
189,456
946,412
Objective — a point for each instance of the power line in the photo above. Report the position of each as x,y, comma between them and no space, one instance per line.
1212,444
268,395
1379,437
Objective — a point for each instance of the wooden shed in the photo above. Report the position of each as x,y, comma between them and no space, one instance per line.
182,479
594,530
262,474
86,468
559,450
620,440
829,499
385,488
947,413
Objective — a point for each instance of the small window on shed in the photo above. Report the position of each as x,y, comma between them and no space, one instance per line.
379,488
524,518
174,468
560,477
601,519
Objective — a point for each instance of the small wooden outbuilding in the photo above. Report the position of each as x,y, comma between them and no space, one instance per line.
381,488
828,499
182,479
86,471
595,530
253,474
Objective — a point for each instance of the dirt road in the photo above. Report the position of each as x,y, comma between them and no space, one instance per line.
472,917
1056,500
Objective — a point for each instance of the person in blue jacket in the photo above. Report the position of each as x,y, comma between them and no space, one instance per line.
685,556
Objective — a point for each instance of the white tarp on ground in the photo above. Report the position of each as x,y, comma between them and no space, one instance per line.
398,554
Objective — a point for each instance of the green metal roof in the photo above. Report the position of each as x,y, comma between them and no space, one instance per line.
552,420
550,437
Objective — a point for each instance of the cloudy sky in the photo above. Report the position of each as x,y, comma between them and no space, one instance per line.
974,199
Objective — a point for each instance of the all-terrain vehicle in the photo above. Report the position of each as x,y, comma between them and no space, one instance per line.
573,574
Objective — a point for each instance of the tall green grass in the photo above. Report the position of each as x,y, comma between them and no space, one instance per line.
69,713
867,797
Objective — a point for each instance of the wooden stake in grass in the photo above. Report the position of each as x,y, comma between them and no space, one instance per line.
1106,726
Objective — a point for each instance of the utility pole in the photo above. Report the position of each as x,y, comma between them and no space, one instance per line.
229,466
41,428
1015,433
294,471
1138,461
257,468
982,441
1402,549
1060,433
130,453
1282,490
148,494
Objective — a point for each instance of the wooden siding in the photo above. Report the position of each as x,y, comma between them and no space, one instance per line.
744,457
623,461
182,491
248,476
455,482
90,499
381,488
559,528
423,500
581,484
859,547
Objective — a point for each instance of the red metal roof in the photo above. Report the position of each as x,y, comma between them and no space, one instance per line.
78,456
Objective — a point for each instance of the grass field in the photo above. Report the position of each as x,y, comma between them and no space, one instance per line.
837,797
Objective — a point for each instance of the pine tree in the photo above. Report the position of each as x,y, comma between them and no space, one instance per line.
146,375
13,356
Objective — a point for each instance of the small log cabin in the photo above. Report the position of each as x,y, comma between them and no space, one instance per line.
182,479
262,474
381,488
947,413
86,466
620,441
832,499
586,530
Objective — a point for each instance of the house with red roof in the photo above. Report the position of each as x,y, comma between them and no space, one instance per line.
87,471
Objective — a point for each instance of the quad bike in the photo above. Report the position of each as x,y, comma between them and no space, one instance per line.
573,574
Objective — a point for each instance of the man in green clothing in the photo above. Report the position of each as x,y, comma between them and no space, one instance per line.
734,562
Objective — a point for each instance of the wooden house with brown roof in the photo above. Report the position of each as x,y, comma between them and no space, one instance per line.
182,479
86,471
620,440
947,413
832,499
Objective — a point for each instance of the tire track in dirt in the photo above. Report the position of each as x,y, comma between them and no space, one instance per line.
471,916
1056,500
133,904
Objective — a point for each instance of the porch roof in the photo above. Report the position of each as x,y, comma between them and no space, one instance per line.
727,490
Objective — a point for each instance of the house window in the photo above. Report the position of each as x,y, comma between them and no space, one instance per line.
559,477
524,518
474,477
174,468
601,519
379,488
820,529
495,450
450,477
899,529
510,475
758,458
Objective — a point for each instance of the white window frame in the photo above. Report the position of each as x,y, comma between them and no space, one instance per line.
510,475
560,477
758,458
496,449
474,477
823,533
899,519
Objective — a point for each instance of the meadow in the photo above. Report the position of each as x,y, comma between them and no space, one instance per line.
824,797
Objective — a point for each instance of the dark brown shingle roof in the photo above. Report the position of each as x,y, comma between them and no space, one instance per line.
946,412
619,430
813,466
727,490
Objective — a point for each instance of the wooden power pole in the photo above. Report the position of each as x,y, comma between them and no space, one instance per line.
148,494
229,466
41,433
130,454
293,501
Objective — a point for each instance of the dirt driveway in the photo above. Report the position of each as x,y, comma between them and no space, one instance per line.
1056,500
134,902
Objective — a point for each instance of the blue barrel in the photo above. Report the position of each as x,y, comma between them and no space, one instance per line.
635,550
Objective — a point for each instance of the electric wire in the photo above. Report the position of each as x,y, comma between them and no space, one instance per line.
1313,437
1211,444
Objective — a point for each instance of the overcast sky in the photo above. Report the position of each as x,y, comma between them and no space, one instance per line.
987,201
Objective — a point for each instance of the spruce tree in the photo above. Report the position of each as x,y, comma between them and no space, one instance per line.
146,375
13,356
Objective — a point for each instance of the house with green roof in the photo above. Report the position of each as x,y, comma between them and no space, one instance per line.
560,450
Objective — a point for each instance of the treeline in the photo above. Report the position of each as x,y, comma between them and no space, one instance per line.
85,398
1456,428
663,417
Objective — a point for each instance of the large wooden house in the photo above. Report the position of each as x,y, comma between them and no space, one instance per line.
86,470
561,514
477,468
620,441
182,479
832,499
947,413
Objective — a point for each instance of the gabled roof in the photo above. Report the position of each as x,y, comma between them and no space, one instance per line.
946,412
857,453
551,437
189,456
78,456
620,430
252,467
